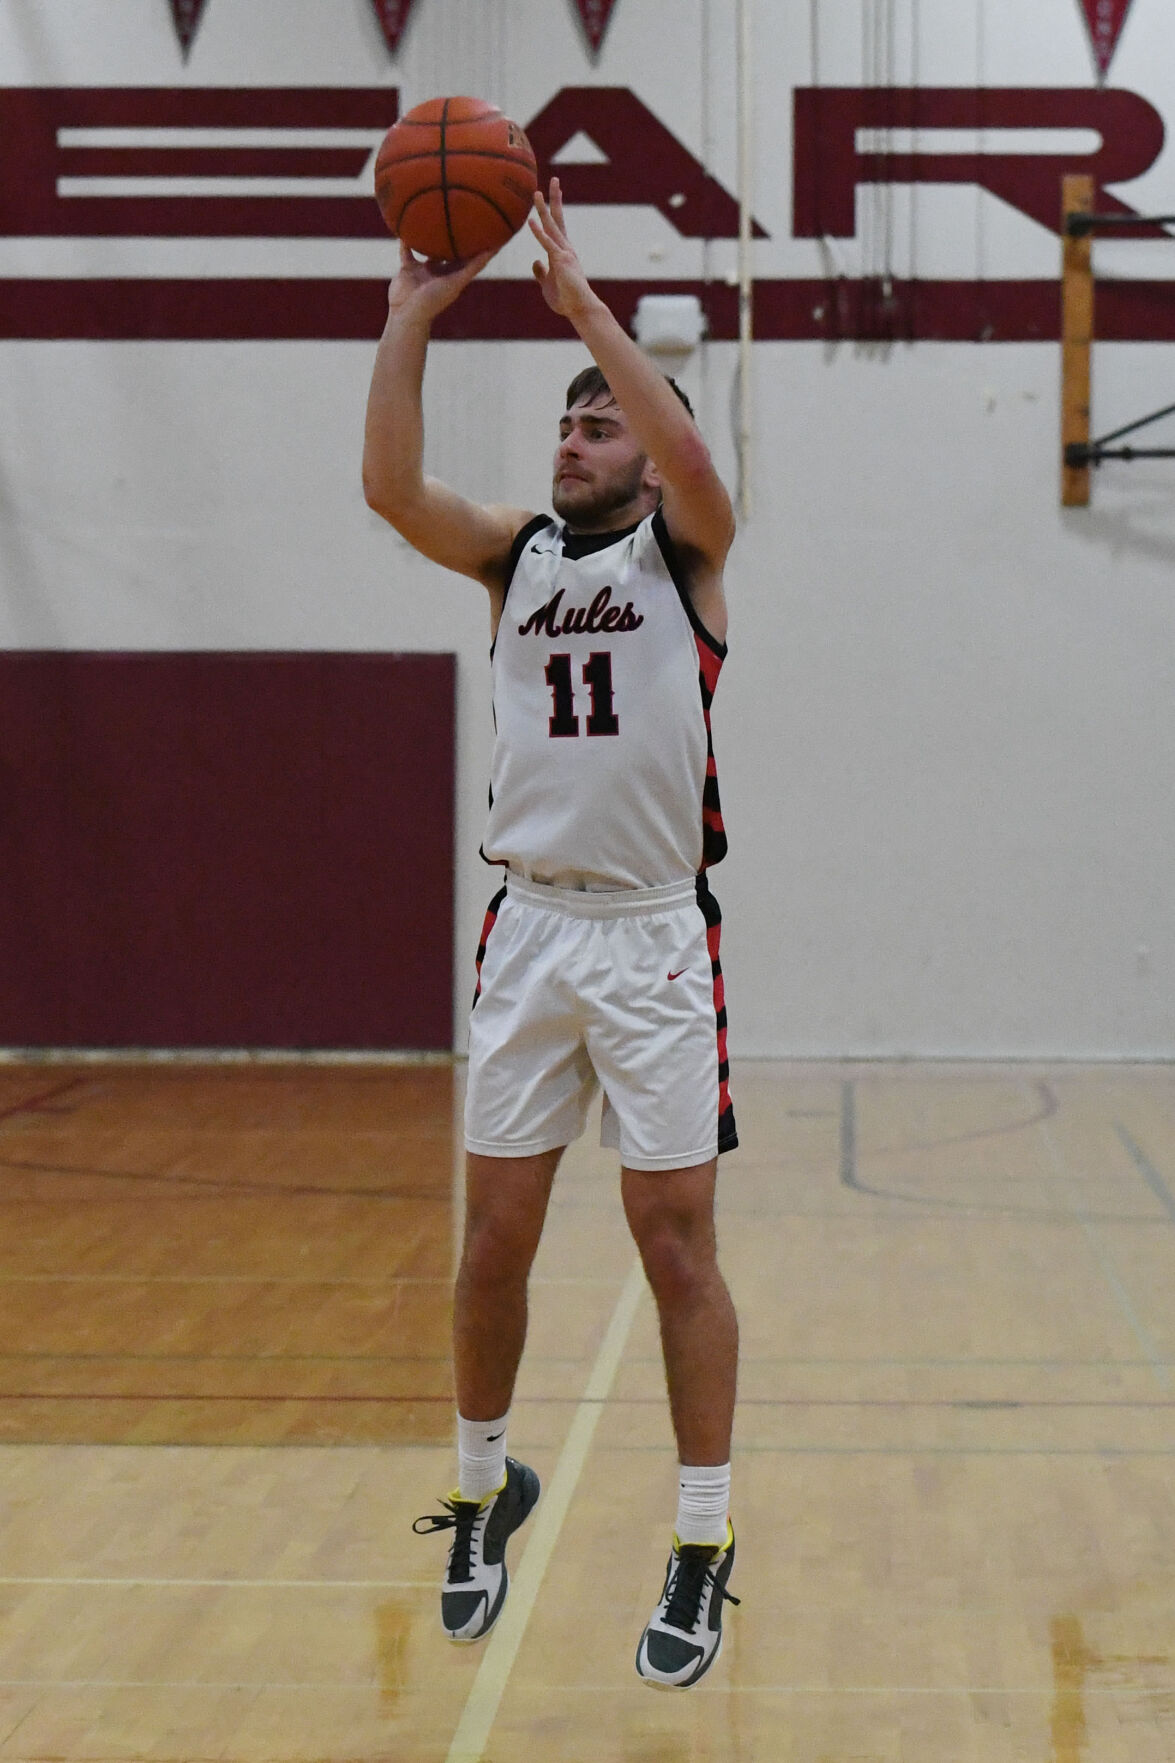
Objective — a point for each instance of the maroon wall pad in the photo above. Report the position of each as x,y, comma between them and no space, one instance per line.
226,850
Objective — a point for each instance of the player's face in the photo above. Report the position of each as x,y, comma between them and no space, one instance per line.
600,474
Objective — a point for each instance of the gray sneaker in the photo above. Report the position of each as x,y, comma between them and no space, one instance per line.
684,1635
476,1580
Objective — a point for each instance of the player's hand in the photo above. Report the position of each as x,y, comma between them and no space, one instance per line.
426,287
566,288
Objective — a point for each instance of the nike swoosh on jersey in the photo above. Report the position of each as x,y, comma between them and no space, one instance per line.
678,974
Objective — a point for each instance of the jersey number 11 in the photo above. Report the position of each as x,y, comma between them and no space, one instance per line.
597,673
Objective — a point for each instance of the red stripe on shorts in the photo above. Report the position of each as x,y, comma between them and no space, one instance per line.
491,918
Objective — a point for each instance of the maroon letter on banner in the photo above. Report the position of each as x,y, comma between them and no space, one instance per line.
393,16
31,116
1104,19
186,14
595,15
646,164
828,166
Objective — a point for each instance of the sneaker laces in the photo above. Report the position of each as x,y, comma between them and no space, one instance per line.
462,1517
687,1588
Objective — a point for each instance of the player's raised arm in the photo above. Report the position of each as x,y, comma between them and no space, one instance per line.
444,526
697,507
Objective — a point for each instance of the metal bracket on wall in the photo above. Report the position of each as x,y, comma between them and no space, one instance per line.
1078,451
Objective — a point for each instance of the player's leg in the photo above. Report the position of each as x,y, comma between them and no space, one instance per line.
527,1092
528,1088
657,1040
505,1207
506,1204
671,1215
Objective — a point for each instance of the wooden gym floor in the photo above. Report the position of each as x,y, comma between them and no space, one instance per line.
225,1395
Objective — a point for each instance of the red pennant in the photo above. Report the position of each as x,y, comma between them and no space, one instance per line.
393,16
1104,20
596,13
186,14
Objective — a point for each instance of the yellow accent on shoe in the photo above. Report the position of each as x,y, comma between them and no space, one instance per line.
492,1495
725,1544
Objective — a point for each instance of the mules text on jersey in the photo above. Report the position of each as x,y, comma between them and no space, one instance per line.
601,615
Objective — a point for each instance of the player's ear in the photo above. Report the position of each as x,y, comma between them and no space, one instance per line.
651,477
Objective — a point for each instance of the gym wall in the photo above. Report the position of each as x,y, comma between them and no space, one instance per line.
945,732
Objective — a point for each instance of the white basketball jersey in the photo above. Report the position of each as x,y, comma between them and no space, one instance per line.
603,771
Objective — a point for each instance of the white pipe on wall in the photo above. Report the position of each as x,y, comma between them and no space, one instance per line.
746,286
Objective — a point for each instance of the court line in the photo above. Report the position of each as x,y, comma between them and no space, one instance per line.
1148,1172
760,1214
254,1398
362,1686
938,1210
1114,1451
1103,1691
985,1404
1110,1273
848,1136
266,1279
1046,1106
190,1187
299,1585
365,1686
39,1103
485,1695
933,1204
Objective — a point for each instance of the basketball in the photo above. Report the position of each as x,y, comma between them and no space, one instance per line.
455,177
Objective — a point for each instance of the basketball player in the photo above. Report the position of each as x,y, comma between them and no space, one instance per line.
599,958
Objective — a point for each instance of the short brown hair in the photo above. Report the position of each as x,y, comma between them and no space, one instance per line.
590,384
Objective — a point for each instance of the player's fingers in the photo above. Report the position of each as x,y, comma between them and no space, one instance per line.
407,259
474,267
557,204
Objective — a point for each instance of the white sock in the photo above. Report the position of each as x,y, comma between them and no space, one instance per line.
703,1496
481,1456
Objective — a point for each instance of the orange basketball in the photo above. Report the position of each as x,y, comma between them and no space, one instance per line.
455,177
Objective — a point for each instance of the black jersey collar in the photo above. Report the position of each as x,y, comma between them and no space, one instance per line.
583,544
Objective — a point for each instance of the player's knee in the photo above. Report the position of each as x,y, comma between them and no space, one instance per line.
497,1251
679,1266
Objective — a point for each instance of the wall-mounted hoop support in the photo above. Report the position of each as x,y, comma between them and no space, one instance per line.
1078,452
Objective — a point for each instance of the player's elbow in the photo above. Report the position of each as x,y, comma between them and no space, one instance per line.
384,494
374,494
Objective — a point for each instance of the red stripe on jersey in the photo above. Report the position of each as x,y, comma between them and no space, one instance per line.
709,664
713,827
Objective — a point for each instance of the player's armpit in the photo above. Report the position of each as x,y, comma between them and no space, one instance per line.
697,575
445,527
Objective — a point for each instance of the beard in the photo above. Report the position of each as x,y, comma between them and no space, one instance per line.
591,505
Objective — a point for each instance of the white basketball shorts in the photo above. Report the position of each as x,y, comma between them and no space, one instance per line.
618,990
